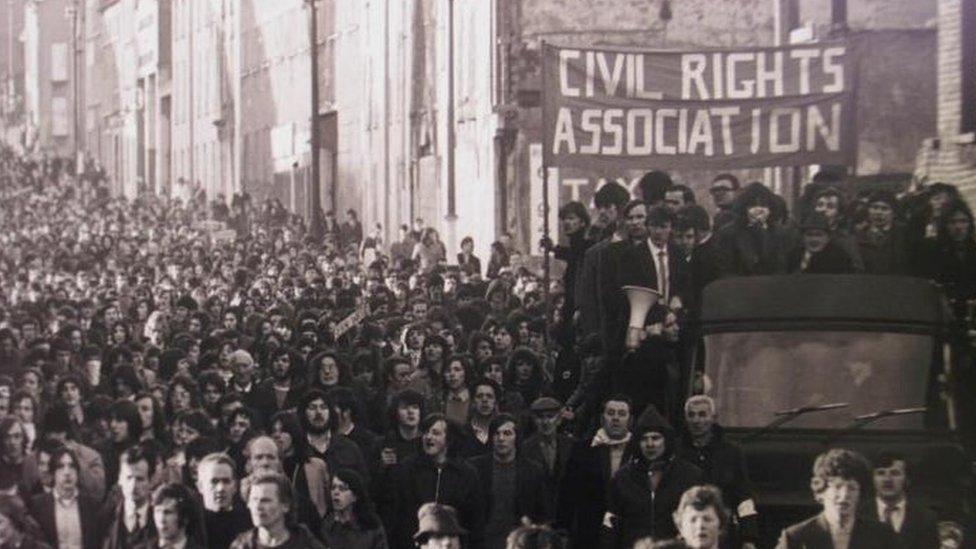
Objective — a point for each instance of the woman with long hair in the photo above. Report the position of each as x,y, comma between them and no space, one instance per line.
309,475
524,373
951,258
327,371
430,251
152,418
352,521
181,395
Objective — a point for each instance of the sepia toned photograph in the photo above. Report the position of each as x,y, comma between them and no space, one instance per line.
487,274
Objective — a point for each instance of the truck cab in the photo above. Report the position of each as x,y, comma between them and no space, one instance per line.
801,363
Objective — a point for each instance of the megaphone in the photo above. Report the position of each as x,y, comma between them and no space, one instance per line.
641,300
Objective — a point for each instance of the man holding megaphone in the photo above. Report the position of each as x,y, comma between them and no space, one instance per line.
650,283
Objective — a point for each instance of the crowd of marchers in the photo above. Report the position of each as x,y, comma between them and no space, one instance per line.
163,384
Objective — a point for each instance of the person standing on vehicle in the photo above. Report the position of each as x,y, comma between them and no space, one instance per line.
839,478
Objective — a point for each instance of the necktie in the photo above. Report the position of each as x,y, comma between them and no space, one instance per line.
887,515
662,275
132,521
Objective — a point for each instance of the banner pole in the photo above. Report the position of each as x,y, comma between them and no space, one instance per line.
545,204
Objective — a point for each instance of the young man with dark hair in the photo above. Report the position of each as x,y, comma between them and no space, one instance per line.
914,524
68,517
176,517
485,395
434,475
348,411
514,489
610,200
58,427
839,478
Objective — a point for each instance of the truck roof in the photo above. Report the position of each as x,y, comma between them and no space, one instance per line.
804,300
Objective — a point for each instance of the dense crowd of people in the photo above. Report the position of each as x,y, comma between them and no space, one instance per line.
184,374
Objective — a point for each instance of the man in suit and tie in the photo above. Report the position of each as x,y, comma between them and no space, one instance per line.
649,374
839,478
67,517
914,525
129,521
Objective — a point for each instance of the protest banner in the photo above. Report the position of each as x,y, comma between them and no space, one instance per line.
617,109
346,324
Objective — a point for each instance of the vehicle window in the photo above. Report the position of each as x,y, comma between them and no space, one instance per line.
754,375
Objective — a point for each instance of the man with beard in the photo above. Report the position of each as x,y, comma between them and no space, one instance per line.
280,392
224,514
325,443
434,476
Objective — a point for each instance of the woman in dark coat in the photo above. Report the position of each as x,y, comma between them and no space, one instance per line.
758,241
950,259
352,522
645,492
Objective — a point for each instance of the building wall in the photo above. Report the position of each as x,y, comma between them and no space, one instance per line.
202,105
275,88
11,69
48,75
950,155
391,86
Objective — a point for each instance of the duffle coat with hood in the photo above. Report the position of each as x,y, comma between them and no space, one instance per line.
635,509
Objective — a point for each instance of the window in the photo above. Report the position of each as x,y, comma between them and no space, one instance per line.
59,62
755,375
59,117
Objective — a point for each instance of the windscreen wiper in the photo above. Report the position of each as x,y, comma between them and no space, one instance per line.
866,419
785,416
